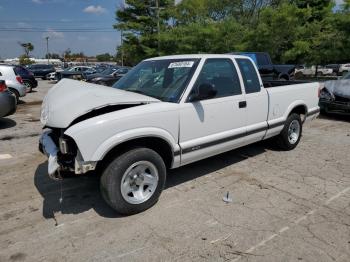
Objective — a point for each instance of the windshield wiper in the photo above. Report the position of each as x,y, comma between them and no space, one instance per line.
137,91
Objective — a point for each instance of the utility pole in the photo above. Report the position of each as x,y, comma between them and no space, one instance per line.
47,49
158,26
121,46
158,22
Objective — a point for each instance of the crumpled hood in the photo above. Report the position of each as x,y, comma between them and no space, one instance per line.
338,87
69,99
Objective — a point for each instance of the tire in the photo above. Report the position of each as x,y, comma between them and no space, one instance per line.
287,141
15,93
29,86
125,197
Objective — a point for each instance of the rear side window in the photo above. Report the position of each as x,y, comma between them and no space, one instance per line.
250,76
20,71
222,74
263,59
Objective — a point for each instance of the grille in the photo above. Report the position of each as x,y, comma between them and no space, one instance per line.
341,99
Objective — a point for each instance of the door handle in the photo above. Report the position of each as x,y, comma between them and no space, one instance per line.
242,104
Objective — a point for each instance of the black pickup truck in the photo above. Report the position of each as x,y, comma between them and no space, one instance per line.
269,71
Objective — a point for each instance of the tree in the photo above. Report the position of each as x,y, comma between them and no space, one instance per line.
25,60
27,47
52,56
139,22
104,57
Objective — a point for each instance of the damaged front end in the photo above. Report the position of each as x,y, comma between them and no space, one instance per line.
335,97
63,154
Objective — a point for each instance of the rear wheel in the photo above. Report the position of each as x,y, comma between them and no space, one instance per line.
29,86
290,136
15,93
133,181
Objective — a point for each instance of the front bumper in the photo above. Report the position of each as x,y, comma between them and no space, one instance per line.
60,157
48,147
336,107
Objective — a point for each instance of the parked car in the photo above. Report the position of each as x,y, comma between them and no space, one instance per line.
267,70
311,71
109,80
75,72
344,68
107,71
27,77
7,101
41,70
167,112
13,81
335,68
335,96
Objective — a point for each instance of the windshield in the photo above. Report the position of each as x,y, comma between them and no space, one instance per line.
346,77
162,79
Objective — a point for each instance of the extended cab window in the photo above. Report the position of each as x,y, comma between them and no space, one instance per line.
221,74
250,76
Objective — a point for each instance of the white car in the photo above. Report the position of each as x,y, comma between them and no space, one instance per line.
13,82
165,113
311,71
344,68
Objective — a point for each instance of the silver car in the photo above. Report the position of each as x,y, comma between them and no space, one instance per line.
14,82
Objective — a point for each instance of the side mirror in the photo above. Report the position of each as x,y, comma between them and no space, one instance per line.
205,91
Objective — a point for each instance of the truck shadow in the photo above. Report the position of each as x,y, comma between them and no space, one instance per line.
80,194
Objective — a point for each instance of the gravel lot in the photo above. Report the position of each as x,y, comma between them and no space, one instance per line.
287,206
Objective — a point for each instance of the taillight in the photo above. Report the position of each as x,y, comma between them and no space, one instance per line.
3,86
19,79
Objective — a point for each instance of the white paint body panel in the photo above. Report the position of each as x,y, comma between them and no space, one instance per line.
184,125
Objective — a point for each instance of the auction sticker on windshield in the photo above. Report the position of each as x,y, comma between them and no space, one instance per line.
181,64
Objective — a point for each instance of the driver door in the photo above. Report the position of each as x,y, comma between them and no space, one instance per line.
212,126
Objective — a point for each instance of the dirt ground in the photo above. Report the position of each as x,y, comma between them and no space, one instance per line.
287,206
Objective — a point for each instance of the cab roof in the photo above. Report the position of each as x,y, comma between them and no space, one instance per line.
196,56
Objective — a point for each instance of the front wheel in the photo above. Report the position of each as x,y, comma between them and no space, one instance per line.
133,181
290,135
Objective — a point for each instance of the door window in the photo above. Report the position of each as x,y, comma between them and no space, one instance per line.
250,76
221,74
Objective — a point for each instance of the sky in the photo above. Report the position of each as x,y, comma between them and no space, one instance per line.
50,16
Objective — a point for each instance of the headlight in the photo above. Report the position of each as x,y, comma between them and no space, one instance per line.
325,95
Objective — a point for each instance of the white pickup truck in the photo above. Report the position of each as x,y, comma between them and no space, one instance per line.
165,113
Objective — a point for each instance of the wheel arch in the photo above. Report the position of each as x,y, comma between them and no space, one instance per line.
156,143
300,109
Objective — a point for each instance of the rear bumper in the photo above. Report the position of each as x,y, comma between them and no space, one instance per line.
335,107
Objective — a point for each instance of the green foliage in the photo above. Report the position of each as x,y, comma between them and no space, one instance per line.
104,57
25,60
27,47
292,31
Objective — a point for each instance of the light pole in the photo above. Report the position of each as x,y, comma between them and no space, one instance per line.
47,49
158,26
